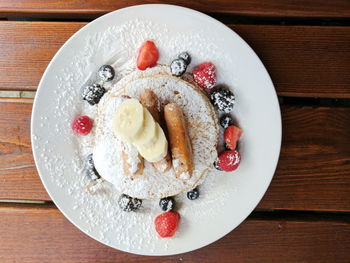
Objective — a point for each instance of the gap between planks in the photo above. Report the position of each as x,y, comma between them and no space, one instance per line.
257,214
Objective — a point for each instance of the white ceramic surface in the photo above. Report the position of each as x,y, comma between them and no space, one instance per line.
257,112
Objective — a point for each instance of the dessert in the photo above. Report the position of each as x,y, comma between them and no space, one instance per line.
156,132
201,122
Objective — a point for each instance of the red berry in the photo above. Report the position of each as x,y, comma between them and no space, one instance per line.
148,55
167,223
228,161
82,125
231,136
205,75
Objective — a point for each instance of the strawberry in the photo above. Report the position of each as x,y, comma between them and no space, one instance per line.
228,161
231,136
205,75
166,224
82,125
148,55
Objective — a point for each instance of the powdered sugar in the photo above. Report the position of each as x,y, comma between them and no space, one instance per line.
202,127
99,212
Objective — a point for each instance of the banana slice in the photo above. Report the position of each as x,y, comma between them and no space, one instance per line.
147,135
156,151
128,120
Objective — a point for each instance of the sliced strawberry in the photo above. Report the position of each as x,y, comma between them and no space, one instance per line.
228,161
231,136
166,224
148,55
205,76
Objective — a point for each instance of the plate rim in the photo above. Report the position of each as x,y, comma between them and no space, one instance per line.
207,17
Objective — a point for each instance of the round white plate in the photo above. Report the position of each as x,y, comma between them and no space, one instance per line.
226,199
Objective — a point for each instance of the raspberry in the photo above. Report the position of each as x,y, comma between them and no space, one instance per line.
228,161
166,224
205,76
231,136
82,125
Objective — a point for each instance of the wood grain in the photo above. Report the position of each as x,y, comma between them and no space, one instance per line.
303,61
307,61
313,171
18,175
26,48
255,8
42,234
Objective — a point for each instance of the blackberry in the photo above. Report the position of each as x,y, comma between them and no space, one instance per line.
193,194
167,204
93,93
226,121
106,73
186,57
223,99
90,168
178,67
216,166
128,204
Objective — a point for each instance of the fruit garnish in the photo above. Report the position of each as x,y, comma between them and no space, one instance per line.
205,76
148,55
231,136
223,99
93,93
82,125
193,194
167,204
178,67
128,204
106,73
228,161
186,57
90,168
226,121
167,223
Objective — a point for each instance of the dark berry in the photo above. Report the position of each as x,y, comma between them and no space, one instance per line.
178,67
216,166
90,168
106,73
226,121
223,99
167,204
128,204
93,93
193,194
186,57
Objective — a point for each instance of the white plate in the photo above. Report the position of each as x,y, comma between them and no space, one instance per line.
226,199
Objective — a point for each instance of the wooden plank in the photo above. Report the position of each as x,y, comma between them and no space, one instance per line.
314,165
18,176
28,235
313,171
308,61
253,8
26,48
304,61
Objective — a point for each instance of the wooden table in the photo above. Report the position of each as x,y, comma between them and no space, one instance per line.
305,214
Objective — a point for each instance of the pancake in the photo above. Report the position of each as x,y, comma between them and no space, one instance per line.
202,124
